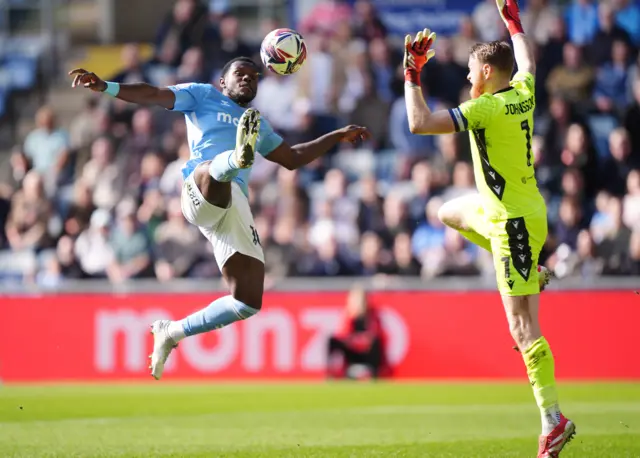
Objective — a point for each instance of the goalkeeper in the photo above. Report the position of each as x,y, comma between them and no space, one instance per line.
508,215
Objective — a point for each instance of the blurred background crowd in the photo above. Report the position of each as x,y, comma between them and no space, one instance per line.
99,197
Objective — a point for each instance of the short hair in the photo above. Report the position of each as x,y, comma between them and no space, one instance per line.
498,54
243,59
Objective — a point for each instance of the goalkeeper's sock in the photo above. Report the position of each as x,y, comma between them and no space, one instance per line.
540,369
218,314
223,167
477,239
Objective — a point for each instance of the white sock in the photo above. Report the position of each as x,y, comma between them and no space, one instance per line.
176,331
550,418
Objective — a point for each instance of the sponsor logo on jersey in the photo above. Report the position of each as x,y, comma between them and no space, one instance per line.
226,117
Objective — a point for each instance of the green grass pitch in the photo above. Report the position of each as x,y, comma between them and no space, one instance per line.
299,420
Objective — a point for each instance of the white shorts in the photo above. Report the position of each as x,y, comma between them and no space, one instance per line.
229,230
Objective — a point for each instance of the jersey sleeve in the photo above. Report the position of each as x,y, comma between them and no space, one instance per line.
474,114
525,82
188,95
269,139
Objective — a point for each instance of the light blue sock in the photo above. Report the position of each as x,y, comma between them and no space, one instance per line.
223,167
216,315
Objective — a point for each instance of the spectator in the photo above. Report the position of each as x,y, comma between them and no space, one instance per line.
570,222
231,45
179,245
358,346
102,175
374,258
382,66
634,254
454,257
550,56
424,187
632,118
410,148
463,40
131,250
582,262
366,23
12,173
445,78
191,68
372,111
277,101
68,263
330,261
171,180
487,21
611,82
47,147
538,18
573,79
608,34
82,207
27,225
463,182
430,234
83,128
615,247
602,223
321,81
133,69
555,126
136,144
631,202
182,28
92,249
628,17
370,205
582,21
281,247
580,153
404,263
396,218
323,17
613,173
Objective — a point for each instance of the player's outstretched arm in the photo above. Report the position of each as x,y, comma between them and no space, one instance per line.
294,157
139,93
421,120
510,13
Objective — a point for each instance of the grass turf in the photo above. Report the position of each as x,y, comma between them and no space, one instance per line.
309,420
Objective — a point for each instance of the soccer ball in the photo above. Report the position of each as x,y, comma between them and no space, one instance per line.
283,51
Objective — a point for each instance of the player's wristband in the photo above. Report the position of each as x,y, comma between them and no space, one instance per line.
411,76
113,89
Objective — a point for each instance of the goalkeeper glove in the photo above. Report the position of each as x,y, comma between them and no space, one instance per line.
416,54
510,13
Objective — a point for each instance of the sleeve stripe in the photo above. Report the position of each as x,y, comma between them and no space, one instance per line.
460,122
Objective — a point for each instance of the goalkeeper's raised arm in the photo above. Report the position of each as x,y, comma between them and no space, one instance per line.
510,13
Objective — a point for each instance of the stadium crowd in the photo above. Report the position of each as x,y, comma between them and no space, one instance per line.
100,198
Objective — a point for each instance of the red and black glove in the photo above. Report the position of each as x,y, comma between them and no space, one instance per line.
510,13
416,54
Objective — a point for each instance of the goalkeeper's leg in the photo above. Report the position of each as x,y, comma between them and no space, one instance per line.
466,215
516,248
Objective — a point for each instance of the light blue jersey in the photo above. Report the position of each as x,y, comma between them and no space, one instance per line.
212,121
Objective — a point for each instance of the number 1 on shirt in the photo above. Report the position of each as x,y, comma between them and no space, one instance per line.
524,125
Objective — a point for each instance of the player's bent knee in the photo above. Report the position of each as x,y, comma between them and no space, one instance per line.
216,193
450,216
245,277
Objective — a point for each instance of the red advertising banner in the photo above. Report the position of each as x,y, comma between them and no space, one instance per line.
430,335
